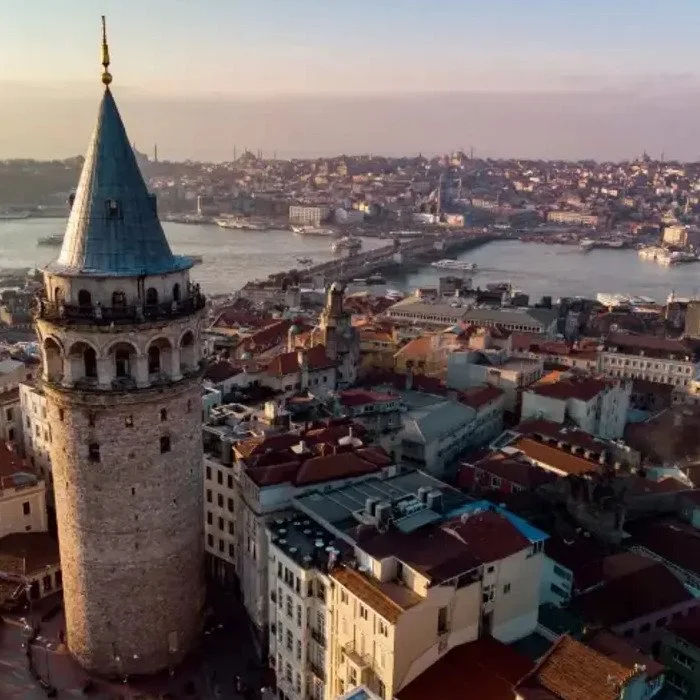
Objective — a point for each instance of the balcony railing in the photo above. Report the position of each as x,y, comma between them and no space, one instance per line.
106,315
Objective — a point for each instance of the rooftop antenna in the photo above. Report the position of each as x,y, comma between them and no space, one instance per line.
106,75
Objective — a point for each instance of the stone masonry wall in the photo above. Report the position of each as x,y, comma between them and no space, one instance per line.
130,525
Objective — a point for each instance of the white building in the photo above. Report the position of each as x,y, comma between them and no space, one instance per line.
36,431
12,374
655,359
308,215
598,406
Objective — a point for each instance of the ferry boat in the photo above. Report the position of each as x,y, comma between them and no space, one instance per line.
313,231
346,243
240,224
450,264
55,239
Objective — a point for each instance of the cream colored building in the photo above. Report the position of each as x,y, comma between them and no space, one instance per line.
12,374
36,431
308,215
431,572
22,496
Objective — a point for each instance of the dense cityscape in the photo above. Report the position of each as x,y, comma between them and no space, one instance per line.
314,486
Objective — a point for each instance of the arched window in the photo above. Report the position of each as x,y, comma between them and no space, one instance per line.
151,296
122,364
187,351
118,299
58,295
53,360
84,298
153,359
90,362
176,292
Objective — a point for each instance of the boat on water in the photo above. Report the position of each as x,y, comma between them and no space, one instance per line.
304,261
612,300
665,257
587,244
313,231
55,239
450,264
240,224
346,243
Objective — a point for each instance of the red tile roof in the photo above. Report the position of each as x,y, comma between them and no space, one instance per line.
559,433
478,397
288,362
335,466
579,389
361,397
10,462
27,552
623,652
487,667
555,458
223,369
510,469
573,671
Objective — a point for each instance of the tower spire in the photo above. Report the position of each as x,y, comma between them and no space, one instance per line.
106,75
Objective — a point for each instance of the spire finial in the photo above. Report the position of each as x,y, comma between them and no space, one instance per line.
106,75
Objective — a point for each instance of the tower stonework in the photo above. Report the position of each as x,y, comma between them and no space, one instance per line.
119,324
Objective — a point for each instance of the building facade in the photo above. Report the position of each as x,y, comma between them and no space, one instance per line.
119,328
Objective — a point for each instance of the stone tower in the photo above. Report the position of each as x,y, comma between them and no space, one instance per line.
119,326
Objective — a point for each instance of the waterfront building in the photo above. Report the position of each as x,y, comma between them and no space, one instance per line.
574,218
308,215
119,328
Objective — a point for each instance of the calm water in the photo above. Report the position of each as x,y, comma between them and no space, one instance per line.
231,258
562,270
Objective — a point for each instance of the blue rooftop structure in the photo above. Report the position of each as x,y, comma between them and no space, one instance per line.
526,529
113,228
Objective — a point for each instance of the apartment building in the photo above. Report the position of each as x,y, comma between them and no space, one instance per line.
428,570
36,432
597,406
308,215
269,472
573,218
655,359
22,495
12,374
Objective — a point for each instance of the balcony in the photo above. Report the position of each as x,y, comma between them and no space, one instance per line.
107,315
318,637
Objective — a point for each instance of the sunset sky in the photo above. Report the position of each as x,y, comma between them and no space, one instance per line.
542,78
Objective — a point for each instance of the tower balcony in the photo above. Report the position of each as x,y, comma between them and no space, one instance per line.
97,314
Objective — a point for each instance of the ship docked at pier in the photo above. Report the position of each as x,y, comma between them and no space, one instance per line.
664,256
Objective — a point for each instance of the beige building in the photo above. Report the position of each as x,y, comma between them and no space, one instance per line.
430,572
22,496
308,215
12,374
36,431
558,216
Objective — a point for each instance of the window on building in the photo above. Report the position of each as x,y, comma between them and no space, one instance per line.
220,500
289,606
154,361
26,508
229,481
47,583
229,504
299,615
84,298
221,545
94,452
506,588
208,472
210,540
151,296
221,524
290,640
230,527
231,550
165,444
298,650
209,517
219,477
442,620
208,495
163,415
90,363
176,292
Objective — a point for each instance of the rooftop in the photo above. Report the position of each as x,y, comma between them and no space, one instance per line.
27,552
554,458
113,228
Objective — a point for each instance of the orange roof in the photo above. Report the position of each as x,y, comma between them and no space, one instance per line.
369,593
573,671
555,458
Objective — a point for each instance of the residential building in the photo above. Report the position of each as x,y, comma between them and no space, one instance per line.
597,406
662,360
12,374
30,568
573,218
379,412
37,432
680,653
22,495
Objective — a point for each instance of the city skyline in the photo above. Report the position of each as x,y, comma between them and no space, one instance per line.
310,80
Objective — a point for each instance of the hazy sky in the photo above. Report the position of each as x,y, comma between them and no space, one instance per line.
548,78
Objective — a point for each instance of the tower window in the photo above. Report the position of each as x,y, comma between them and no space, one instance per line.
91,419
84,298
165,444
121,362
163,414
151,296
94,452
26,508
176,292
61,414
90,363
118,299
153,360
113,209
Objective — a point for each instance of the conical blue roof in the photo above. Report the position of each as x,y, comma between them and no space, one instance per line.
113,228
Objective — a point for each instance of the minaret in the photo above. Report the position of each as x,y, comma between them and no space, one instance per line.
119,326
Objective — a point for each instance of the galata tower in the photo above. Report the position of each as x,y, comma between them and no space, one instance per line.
119,325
